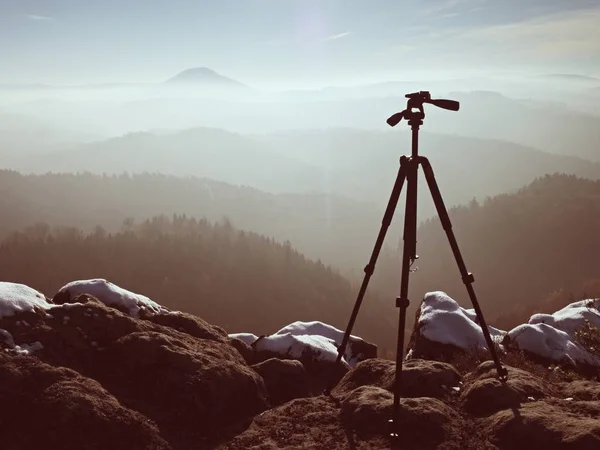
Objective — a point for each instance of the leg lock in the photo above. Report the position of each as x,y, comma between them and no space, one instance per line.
402,302
468,279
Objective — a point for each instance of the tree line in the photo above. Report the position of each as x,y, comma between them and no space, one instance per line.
242,281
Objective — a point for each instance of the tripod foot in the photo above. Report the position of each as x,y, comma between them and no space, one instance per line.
503,374
393,431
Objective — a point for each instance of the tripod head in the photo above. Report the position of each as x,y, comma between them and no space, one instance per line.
415,101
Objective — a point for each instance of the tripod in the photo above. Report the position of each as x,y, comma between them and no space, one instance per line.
408,172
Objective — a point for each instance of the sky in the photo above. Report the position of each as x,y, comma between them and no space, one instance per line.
306,42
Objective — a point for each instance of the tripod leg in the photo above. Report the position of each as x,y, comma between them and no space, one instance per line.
370,268
467,277
402,302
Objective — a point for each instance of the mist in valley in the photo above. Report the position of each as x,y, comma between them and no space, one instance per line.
299,151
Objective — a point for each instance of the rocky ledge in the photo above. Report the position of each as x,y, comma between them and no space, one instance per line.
99,367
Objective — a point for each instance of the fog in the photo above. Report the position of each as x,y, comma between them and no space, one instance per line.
332,141
132,125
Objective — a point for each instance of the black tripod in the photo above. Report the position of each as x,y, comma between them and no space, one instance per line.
409,167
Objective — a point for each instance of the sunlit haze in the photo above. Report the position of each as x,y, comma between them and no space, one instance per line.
293,43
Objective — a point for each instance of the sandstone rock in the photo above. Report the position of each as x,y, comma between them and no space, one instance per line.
245,350
484,394
199,387
540,425
55,407
581,390
311,423
420,378
192,388
423,422
189,324
443,329
321,372
285,379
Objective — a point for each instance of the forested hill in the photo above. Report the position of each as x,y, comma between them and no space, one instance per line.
328,227
537,245
239,280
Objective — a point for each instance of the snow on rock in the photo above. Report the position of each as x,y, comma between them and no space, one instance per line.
17,298
22,349
28,349
552,336
571,317
112,295
356,350
319,348
443,321
247,338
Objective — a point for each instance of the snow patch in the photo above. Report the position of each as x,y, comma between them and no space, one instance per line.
571,317
22,349
112,295
295,346
28,349
552,336
444,321
319,329
17,298
248,338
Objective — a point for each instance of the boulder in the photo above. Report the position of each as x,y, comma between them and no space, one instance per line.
485,394
54,407
581,390
424,422
308,423
420,378
357,349
285,380
541,425
193,388
316,353
443,330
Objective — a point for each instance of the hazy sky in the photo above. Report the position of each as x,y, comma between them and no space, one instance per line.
309,41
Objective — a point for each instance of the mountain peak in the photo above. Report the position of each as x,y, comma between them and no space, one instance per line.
203,75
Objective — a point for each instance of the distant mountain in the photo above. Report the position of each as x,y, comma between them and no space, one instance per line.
364,163
572,78
203,76
203,152
358,164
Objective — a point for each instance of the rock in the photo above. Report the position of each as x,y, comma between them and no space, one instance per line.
55,407
443,330
420,378
192,325
423,422
246,338
540,425
484,394
581,390
285,379
316,353
193,388
357,349
197,388
311,423
131,303
245,350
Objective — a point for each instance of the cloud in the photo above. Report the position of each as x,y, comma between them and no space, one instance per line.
335,37
558,35
451,8
39,18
